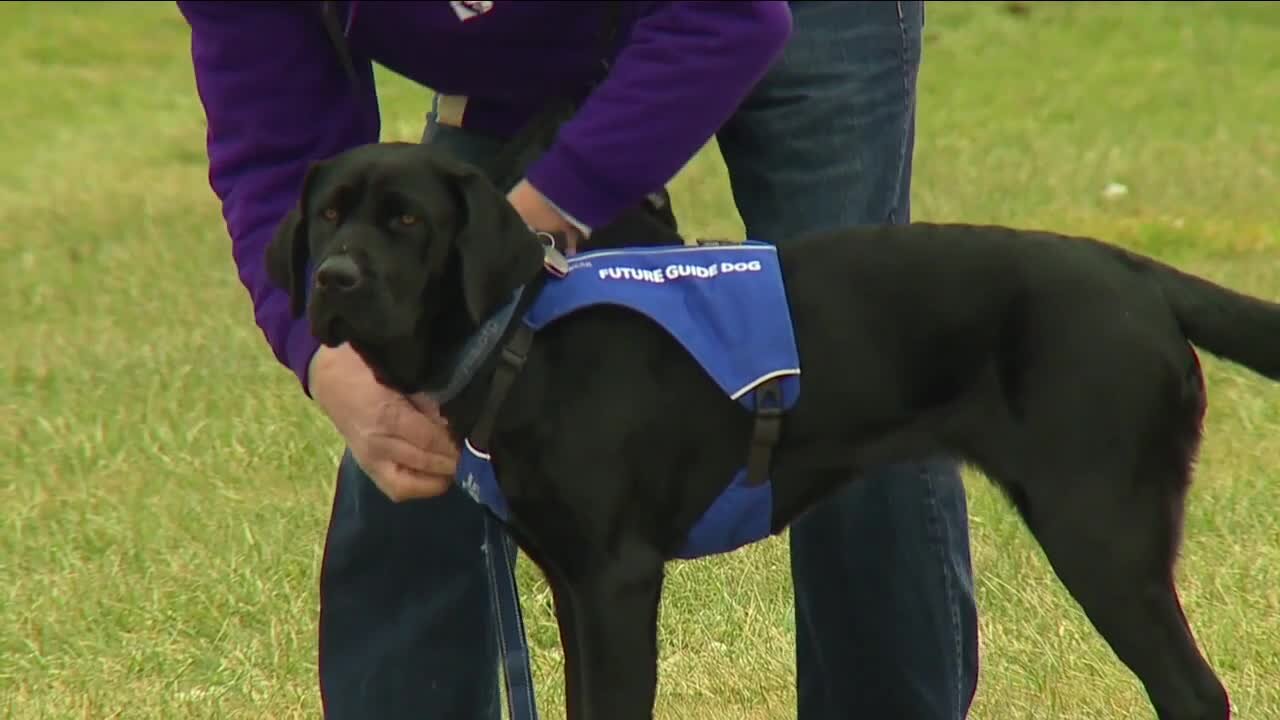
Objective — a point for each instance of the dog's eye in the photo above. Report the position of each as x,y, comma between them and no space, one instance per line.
407,219
330,214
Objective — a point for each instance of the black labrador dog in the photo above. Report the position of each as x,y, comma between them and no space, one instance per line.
1062,368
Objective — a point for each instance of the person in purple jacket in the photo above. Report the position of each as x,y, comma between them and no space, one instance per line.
813,106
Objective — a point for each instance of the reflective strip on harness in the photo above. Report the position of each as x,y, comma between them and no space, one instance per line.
727,306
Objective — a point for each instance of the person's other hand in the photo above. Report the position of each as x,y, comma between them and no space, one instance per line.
539,214
402,443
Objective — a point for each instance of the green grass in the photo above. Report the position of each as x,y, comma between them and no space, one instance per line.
165,487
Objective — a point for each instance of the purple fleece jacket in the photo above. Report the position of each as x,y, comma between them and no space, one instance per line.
276,99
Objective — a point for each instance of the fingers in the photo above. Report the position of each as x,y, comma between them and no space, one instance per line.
403,420
403,471
400,483
408,453
412,457
424,404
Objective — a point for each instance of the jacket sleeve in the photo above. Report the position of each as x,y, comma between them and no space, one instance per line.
276,98
682,73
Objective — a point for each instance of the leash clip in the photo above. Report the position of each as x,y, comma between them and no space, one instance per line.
552,259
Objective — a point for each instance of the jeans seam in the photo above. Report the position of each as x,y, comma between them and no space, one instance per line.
906,110
936,535
322,582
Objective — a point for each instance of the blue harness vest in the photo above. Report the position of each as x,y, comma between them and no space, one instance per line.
727,306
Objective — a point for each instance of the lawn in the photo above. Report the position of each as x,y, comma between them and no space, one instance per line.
165,486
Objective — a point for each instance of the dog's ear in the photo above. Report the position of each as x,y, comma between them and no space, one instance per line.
495,248
286,258
289,250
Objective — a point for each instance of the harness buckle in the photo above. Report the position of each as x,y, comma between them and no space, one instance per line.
514,357
765,432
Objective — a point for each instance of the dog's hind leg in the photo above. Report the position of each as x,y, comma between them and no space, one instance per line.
1112,541
608,619
1092,431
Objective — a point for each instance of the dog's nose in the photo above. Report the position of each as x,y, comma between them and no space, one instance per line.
338,273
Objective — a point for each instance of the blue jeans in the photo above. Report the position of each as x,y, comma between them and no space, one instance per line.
886,625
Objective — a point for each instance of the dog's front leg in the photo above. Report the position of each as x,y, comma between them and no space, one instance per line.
608,617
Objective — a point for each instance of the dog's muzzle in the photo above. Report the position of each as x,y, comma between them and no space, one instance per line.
340,301
338,274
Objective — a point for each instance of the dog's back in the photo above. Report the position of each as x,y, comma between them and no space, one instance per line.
962,272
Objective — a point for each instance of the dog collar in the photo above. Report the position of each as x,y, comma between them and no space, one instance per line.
483,343
480,346
477,349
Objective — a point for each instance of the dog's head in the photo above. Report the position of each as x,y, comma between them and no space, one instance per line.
392,245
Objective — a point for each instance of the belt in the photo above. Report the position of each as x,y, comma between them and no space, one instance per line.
449,109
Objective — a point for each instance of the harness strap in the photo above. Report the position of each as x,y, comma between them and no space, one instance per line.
765,431
510,362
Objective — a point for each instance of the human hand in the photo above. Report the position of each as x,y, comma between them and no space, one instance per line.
539,214
401,442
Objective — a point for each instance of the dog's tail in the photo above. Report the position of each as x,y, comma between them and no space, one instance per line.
1231,325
